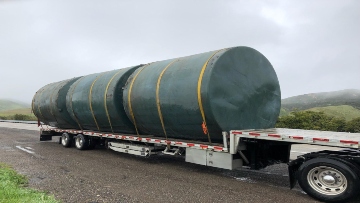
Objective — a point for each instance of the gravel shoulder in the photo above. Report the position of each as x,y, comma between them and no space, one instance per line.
102,175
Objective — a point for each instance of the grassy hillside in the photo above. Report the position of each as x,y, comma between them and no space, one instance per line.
25,111
18,114
10,105
324,99
343,111
11,110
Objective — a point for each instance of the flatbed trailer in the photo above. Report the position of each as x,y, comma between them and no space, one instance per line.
330,176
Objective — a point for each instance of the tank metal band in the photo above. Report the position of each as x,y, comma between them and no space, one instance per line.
75,85
157,96
129,98
33,106
90,98
105,103
51,102
204,126
39,104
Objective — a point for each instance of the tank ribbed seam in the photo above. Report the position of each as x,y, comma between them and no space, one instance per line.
129,98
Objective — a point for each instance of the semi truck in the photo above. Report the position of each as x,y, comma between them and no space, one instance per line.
216,109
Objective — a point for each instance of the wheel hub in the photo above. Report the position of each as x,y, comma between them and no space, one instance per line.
327,180
77,142
63,140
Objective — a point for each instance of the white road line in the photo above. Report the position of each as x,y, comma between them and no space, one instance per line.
29,148
25,150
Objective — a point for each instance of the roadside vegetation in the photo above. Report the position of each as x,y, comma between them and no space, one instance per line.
343,111
20,117
310,120
13,188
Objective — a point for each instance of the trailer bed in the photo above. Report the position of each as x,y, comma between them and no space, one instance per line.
295,136
326,138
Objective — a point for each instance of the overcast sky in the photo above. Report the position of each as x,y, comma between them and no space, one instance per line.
313,45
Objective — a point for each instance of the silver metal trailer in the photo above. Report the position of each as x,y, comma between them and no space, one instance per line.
330,176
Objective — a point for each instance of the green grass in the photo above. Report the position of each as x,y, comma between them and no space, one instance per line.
10,110
342,111
25,111
13,189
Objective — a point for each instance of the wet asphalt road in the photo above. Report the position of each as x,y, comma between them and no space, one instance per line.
102,175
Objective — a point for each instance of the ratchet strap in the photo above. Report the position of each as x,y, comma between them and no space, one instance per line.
203,125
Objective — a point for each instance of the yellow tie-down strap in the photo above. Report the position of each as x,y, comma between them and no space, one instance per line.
203,125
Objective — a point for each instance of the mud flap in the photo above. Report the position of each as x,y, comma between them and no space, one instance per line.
293,167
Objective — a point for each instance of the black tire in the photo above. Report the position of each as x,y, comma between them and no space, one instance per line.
328,180
66,140
106,144
81,142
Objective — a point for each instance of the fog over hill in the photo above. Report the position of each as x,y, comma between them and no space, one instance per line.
7,104
349,97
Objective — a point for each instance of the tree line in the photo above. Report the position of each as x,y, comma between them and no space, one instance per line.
20,117
309,120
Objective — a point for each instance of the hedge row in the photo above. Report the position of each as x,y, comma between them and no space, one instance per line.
309,120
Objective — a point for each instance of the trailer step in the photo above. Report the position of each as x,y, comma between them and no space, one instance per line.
139,150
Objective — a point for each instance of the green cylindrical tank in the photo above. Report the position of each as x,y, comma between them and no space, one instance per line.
95,101
49,104
199,96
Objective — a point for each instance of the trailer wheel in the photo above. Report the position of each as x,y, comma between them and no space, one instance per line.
81,142
92,143
106,144
66,140
328,180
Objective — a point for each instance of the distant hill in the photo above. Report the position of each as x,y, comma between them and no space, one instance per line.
343,111
349,97
6,105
